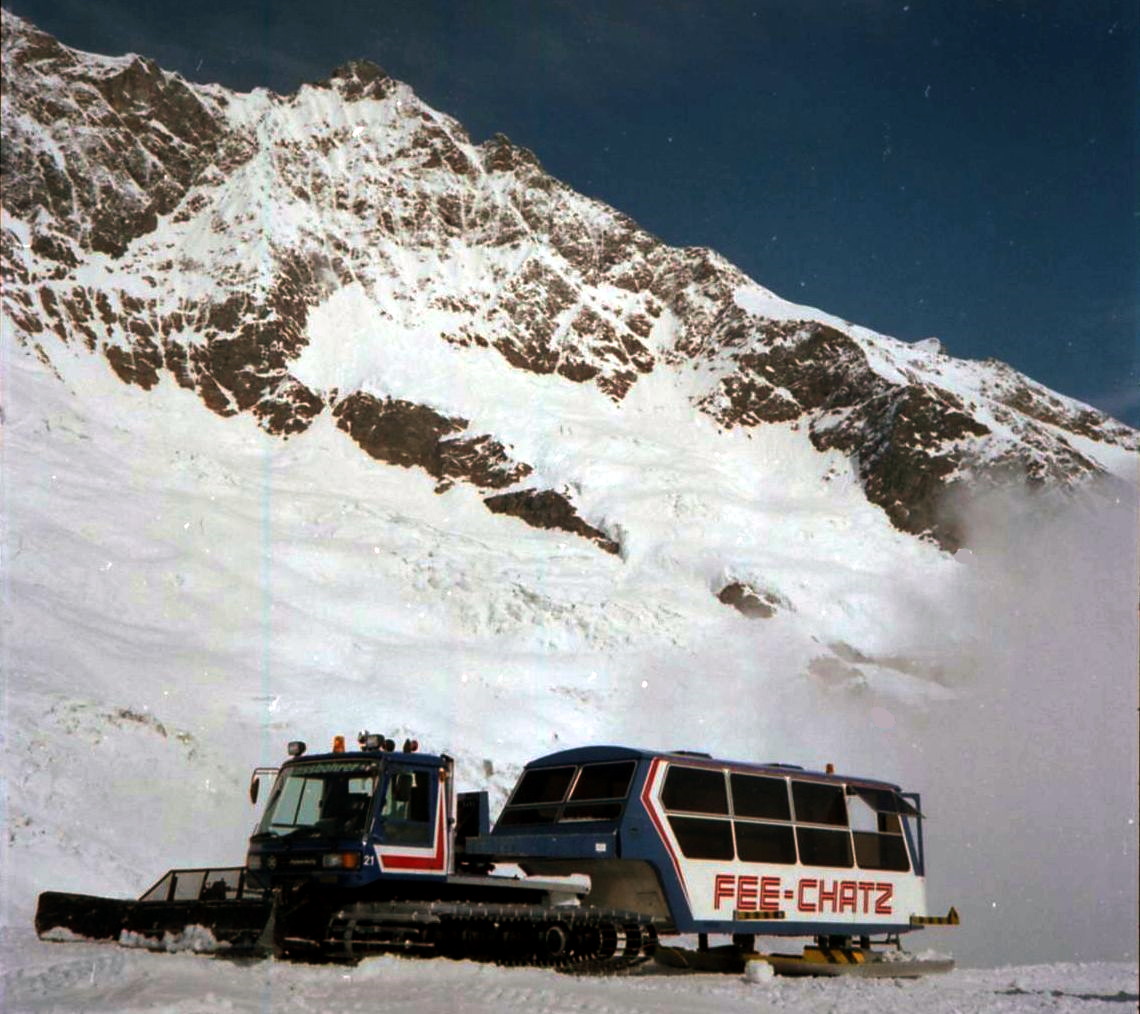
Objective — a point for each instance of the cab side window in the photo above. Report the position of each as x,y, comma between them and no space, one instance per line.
407,808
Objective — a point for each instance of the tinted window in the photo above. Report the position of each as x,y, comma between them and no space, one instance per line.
864,817
598,793
817,803
406,808
876,826
299,804
824,848
603,781
765,843
703,839
880,851
697,790
543,785
331,797
760,797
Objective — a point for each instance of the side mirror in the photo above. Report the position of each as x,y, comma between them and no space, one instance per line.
255,781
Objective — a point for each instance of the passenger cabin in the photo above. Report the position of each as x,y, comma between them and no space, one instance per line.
719,846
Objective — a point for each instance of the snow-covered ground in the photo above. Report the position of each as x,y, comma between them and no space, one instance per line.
182,594
57,977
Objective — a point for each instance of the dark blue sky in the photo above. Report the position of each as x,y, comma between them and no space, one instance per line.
962,169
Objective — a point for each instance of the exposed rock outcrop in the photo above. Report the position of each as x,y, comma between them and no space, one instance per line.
187,234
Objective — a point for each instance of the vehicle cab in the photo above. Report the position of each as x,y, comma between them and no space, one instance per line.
347,818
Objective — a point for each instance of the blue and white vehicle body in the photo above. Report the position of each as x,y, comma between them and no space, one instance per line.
714,846
598,852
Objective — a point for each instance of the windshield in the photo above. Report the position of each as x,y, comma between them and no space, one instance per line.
321,798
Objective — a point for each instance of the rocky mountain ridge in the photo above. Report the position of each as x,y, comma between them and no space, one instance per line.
192,235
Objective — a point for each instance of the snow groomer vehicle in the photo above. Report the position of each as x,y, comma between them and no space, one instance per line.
599,853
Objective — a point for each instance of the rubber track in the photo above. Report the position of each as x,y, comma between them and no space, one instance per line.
584,941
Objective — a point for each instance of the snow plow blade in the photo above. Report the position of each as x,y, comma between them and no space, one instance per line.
205,909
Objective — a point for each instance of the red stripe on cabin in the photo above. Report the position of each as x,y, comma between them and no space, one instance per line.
655,764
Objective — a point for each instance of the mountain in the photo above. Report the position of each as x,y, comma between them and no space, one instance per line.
318,415
218,241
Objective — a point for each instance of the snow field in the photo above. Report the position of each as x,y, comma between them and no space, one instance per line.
45,977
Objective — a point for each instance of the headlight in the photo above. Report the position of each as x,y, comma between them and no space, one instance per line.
341,860
253,861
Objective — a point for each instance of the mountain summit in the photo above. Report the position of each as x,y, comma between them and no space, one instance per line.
272,252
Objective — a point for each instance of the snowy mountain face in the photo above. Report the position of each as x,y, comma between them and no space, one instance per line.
273,253
319,416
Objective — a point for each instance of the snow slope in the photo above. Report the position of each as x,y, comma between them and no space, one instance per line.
184,593
242,590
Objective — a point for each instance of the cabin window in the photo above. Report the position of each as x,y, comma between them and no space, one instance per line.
762,798
876,825
881,851
703,839
695,790
819,803
596,792
819,847
543,785
889,823
765,843
603,781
